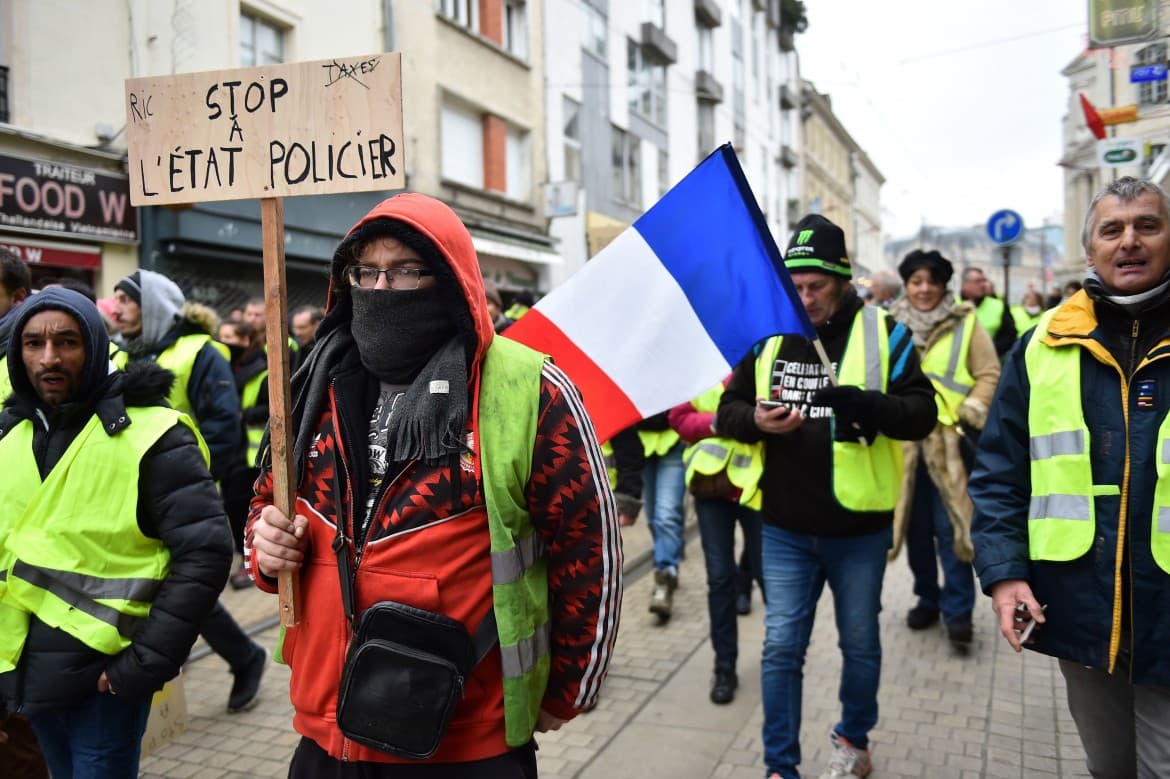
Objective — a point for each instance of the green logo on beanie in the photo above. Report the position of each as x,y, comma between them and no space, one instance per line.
803,237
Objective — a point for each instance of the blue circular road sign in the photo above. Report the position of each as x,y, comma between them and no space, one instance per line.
1005,227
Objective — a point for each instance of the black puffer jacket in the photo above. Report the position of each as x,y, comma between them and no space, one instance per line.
177,503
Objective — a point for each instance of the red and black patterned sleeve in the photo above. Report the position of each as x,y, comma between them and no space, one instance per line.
572,508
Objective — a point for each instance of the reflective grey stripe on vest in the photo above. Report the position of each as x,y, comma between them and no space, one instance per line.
509,565
520,659
741,461
1164,520
873,354
948,379
1042,447
1059,507
62,584
1166,452
707,447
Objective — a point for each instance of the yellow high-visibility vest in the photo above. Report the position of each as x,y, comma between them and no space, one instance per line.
865,478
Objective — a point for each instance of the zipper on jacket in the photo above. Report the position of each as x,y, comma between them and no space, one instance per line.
383,491
1133,342
1122,536
339,460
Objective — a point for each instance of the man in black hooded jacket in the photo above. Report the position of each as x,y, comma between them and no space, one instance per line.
113,545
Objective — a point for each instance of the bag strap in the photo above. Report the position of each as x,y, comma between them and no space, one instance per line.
486,635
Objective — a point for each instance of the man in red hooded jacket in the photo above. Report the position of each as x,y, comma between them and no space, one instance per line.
387,415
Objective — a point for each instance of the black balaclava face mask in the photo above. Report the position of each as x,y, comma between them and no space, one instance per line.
398,331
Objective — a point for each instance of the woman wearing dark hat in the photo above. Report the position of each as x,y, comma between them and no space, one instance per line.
959,357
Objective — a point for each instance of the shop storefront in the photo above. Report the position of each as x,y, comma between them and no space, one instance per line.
66,211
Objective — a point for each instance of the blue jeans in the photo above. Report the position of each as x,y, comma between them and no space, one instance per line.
929,523
663,483
717,520
99,737
796,567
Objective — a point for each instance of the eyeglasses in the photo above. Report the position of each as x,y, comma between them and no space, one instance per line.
366,277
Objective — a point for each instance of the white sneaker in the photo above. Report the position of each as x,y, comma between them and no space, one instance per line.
846,760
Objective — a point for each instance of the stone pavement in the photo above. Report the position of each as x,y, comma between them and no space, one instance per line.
990,714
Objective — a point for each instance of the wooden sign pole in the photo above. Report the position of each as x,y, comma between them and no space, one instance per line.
280,437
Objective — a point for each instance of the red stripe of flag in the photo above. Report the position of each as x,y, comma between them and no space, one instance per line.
609,407
1092,118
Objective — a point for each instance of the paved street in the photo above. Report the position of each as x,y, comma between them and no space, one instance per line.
991,714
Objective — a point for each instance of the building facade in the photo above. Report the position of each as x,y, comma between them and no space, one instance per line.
840,181
1105,77
1033,262
473,115
640,92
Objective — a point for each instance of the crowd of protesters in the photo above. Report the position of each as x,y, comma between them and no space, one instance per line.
1021,449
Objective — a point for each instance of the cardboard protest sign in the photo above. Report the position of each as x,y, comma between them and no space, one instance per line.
306,128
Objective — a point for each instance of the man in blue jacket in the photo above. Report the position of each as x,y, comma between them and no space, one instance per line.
1072,487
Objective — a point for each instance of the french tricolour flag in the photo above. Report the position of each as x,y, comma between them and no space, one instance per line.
672,304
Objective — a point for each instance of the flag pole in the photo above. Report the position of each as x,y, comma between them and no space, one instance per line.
829,369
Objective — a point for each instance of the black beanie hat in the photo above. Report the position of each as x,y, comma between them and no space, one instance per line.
940,267
818,245
132,286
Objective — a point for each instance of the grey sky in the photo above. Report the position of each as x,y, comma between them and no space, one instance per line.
958,104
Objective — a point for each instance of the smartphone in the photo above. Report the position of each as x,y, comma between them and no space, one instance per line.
770,404
1031,623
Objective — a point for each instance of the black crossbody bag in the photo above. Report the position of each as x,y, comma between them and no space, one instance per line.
404,670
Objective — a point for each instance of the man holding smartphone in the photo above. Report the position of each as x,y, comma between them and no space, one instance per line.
1071,487
832,473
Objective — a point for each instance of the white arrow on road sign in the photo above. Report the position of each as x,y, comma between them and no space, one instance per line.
1005,227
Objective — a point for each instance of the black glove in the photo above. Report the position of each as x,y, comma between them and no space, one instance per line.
855,409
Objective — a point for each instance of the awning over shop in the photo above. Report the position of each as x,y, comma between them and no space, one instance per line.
58,255
525,252
600,230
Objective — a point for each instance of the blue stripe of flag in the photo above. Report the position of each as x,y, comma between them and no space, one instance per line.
709,233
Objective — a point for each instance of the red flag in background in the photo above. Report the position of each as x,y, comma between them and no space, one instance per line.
1092,118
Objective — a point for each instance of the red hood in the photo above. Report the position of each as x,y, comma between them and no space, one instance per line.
435,219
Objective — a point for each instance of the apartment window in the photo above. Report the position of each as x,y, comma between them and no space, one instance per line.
663,171
571,122
516,28
647,85
737,78
706,116
261,41
1153,152
1151,91
627,167
461,139
518,159
706,49
3,94
770,102
465,13
757,23
656,13
596,32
